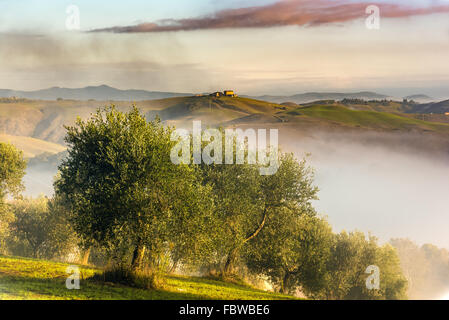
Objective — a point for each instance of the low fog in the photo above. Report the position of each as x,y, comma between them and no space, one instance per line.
39,181
391,185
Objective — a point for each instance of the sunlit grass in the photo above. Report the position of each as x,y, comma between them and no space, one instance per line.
30,279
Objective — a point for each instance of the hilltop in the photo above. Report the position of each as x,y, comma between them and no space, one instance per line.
102,92
434,107
422,98
314,96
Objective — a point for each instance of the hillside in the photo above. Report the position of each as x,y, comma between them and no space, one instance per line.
45,120
363,117
434,107
102,92
314,96
29,279
421,98
32,147
344,116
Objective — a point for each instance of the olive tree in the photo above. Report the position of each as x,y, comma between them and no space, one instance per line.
122,187
292,251
245,200
12,170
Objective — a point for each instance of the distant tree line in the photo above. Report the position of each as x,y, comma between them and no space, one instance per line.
426,268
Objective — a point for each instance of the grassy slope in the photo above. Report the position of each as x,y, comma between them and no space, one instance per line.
22,278
366,119
44,120
32,147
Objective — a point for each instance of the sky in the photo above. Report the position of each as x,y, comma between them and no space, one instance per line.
252,46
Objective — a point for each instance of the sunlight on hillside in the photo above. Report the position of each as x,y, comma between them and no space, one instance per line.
31,147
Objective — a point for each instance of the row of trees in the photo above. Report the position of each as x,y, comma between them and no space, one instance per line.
118,194
39,228
425,267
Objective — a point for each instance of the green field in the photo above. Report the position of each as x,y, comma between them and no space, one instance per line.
366,119
30,279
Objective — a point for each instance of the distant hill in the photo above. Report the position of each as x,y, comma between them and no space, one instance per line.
102,92
418,96
45,120
314,96
32,147
218,109
434,107
338,114
421,98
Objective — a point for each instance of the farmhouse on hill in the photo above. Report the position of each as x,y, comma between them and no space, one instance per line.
226,93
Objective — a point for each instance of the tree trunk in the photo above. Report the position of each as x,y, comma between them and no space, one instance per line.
285,287
174,266
85,256
138,255
230,262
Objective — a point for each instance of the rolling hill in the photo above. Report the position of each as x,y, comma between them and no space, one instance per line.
102,92
32,147
434,107
37,126
363,119
421,98
314,96
45,120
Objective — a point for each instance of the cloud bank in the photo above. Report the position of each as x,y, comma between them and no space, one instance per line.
282,13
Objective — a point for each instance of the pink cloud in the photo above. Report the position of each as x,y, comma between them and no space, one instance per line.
282,13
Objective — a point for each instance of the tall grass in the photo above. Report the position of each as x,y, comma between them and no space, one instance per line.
143,279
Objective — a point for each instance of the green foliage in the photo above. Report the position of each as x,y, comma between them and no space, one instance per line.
245,201
6,218
41,229
292,251
29,226
12,170
144,279
300,252
123,189
350,255
426,268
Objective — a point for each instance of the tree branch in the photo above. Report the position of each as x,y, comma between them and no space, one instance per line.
261,225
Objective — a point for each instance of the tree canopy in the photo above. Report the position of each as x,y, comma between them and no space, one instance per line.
12,170
122,186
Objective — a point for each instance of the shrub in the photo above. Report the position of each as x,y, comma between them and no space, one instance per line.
143,279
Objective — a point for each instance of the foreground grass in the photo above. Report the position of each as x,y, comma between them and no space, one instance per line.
29,279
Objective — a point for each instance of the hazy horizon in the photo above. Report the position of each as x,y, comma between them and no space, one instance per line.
300,46
438,93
